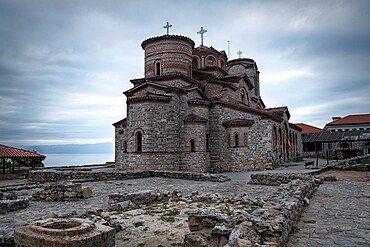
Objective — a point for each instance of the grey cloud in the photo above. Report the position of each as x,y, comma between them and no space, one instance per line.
52,49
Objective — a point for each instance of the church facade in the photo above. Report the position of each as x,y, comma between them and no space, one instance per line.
195,110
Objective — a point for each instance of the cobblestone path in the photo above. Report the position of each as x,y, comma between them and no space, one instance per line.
338,215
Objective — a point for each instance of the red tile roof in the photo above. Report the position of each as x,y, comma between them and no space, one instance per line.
309,128
150,96
120,122
352,119
10,152
219,94
198,102
194,118
238,122
279,110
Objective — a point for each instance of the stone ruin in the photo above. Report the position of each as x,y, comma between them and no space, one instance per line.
62,191
10,202
64,233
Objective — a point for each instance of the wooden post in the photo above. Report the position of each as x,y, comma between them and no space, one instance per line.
317,159
327,157
3,165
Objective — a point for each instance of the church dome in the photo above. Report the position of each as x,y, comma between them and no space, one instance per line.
167,54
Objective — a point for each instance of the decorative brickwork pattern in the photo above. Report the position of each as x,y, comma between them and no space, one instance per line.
206,118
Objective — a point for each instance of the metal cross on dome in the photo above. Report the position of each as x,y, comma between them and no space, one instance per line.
168,27
201,32
240,53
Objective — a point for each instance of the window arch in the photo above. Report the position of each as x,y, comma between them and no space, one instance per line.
139,141
192,145
211,61
195,63
158,68
236,139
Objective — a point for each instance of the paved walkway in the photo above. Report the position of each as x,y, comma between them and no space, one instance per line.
339,214
292,167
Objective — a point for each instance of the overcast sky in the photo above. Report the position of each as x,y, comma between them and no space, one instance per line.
64,64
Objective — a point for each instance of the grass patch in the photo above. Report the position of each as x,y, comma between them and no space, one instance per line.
367,161
169,216
228,210
310,221
138,224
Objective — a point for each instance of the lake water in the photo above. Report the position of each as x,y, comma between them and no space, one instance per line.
77,159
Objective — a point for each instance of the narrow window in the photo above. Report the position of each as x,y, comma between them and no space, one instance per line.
207,142
157,68
236,140
125,147
192,146
245,140
228,141
195,63
242,96
139,141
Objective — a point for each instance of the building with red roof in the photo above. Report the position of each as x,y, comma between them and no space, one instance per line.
348,123
344,137
306,128
11,153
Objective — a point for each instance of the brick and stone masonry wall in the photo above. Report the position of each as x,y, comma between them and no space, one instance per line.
174,54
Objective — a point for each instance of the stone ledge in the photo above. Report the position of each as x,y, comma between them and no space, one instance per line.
62,191
43,176
347,165
270,223
13,205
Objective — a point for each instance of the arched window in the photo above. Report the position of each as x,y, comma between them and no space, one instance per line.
139,141
207,142
195,63
125,147
222,64
242,96
192,146
236,140
210,61
157,68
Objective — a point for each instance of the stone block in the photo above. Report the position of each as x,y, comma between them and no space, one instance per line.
64,233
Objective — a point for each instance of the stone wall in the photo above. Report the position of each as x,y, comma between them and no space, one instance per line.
13,205
349,165
43,176
62,191
268,223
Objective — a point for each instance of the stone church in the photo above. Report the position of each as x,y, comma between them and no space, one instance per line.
195,110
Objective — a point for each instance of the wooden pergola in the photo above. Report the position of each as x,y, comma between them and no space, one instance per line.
12,153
